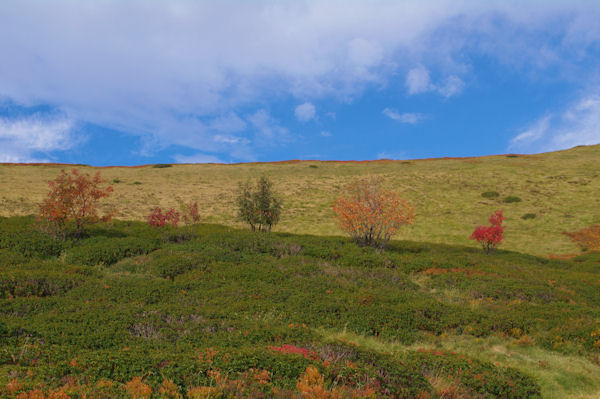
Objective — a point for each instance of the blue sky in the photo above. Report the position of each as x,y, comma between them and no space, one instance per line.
137,82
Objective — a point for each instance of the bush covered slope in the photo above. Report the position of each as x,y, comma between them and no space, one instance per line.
451,196
231,312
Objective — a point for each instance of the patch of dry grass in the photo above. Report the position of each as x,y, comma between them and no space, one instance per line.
561,188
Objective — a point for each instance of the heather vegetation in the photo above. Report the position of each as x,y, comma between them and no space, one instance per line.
92,307
123,313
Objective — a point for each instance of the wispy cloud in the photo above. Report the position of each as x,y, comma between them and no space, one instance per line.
305,112
267,130
578,124
197,158
407,117
418,81
25,139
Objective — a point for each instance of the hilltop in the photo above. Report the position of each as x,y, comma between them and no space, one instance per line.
560,188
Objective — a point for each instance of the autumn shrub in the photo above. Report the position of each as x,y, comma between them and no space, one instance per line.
72,203
168,221
588,238
258,205
370,213
490,236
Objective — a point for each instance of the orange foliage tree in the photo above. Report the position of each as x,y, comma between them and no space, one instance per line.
588,239
370,213
72,203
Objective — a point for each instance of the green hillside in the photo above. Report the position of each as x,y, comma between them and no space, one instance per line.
562,190
235,314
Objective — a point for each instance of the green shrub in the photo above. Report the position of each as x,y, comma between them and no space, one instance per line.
40,284
162,165
106,251
31,243
511,199
528,216
490,194
170,263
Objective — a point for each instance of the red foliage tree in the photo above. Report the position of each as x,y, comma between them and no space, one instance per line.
72,203
370,213
490,236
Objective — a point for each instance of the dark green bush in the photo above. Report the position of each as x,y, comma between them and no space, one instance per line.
31,243
528,216
170,263
40,284
106,250
162,165
511,199
490,194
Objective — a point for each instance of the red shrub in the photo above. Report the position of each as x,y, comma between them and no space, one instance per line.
157,218
490,236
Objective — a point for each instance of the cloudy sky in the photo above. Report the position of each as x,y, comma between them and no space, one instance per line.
134,82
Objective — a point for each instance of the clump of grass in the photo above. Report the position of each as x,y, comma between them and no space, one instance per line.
528,216
511,199
490,194
313,166
116,181
137,183
162,165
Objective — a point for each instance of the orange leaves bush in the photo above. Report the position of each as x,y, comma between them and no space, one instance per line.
136,389
588,239
370,213
72,201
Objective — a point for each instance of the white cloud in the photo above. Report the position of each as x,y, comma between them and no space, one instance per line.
22,138
305,112
578,124
410,118
197,158
388,155
453,85
533,133
325,133
179,72
268,130
230,123
418,81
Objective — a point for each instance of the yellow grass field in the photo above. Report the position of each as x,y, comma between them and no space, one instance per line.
561,188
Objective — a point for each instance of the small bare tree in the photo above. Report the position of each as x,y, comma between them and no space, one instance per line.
258,205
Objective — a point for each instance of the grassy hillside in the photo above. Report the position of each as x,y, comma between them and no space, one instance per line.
231,312
562,189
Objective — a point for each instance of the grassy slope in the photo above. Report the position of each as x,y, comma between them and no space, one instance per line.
242,293
562,188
